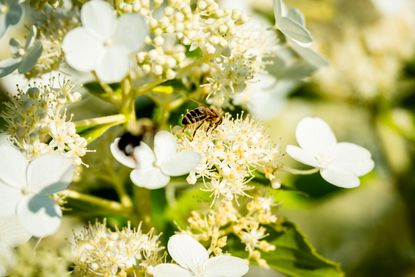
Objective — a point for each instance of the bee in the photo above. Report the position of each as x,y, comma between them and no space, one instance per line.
128,142
203,114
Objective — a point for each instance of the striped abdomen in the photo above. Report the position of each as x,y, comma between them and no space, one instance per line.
194,116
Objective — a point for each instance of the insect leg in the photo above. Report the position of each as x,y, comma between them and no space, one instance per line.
197,128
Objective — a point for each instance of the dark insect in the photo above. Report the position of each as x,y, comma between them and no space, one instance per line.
128,142
200,115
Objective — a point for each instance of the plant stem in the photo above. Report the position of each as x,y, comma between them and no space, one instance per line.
128,105
117,118
100,203
108,90
148,87
142,201
300,171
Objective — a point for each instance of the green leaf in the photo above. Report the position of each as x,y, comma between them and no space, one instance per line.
294,255
190,200
94,132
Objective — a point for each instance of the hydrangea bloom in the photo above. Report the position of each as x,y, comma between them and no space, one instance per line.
340,163
24,57
193,260
104,42
25,187
152,170
292,24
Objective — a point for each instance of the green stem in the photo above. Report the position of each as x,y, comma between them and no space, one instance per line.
300,171
111,177
142,201
185,70
118,118
108,90
97,202
128,105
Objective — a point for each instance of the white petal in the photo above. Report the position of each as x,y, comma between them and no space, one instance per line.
7,260
340,178
181,163
187,251
9,199
314,135
82,49
99,17
113,65
294,30
120,155
169,270
144,156
150,178
39,215
226,266
351,158
130,32
301,155
8,66
164,146
13,164
12,232
297,16
278,10
49,173
308,54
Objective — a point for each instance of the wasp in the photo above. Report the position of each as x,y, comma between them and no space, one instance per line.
201,115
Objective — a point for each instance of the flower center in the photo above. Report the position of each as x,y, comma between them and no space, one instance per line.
4,8
199,270
108,43
26,191
21,52
156,164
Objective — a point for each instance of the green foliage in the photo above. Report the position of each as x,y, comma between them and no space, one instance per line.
93,132
294,254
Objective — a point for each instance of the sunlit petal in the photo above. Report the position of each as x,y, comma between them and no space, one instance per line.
187,251
39,215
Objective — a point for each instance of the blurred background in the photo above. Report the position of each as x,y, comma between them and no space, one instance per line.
367,95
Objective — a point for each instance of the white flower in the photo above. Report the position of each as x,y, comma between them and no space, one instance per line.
11,235
264,97
24,57
25,188
104,42
340,163
193,260
292,24
153,169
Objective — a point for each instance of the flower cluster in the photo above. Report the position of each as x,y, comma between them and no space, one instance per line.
247,224
42,260
230,155
52,38
104,252
37,121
